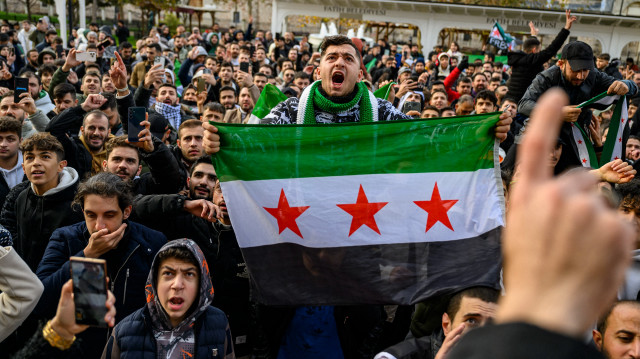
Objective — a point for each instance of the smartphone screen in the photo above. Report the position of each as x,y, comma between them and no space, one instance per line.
244,66
136,116
89,290
201,85
21,85
411,106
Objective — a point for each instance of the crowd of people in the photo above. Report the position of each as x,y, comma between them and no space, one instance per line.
74,183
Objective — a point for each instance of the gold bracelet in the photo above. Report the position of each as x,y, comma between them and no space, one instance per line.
54,339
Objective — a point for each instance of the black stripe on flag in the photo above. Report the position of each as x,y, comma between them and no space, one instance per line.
291,274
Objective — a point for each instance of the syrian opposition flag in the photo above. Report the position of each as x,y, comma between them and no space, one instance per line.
383,92
499,38
382,212
269,98
613,146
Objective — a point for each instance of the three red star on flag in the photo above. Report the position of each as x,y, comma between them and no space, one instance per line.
363,212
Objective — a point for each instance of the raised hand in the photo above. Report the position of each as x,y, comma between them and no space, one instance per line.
559,229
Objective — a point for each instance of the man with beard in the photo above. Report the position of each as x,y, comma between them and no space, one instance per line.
577,77
32,62
242,113
85,152
140,69
124,160
617,335
168,105
179,47
208,224
478,83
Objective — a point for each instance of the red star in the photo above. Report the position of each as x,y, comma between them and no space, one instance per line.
584,160
620,139
622,119
579,142
286,215
616,158
362,212
437,209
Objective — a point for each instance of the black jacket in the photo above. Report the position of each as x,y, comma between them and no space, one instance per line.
4,189
612,69
127,267
418,348
37,217
596,83
520,340
182,165
164,176
525,67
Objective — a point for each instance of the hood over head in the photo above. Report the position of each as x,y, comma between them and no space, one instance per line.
205,293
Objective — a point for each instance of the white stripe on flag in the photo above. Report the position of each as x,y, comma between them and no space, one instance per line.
401,220
624,115
582,147
254,120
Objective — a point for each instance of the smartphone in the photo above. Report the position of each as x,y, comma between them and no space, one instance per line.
103,44
59,51
206,71
136,116
411,106
159,60
86,56
11,51
89,290
201,85
420,87
21,85
244,67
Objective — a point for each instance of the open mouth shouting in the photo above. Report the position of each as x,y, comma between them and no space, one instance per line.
176,303
337,79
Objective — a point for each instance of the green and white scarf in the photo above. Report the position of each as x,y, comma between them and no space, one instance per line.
311,96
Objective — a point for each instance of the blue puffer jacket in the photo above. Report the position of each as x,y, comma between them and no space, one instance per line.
127,267
133,337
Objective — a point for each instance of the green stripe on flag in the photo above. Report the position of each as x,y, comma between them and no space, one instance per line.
593,100
383,92
261,152
269,98
371,64
614,133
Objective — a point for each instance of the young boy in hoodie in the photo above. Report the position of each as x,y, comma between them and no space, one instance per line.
178,320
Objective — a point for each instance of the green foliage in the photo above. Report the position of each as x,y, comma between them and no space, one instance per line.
13,17
172,21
